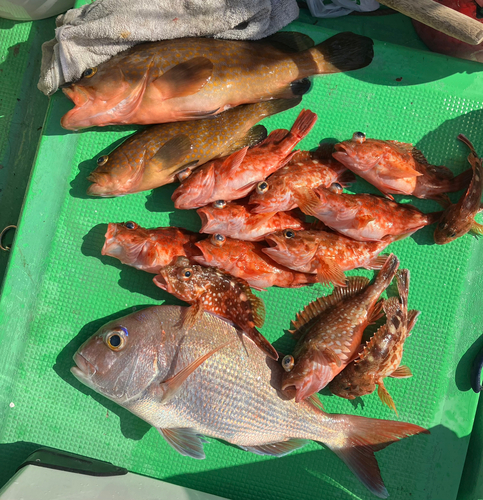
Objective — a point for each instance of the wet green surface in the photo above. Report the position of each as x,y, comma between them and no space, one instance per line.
59,290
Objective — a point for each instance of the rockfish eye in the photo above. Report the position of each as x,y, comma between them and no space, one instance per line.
117,338
262,187
131,225
336,188
184,174
218,239
359,137
186,273
89,72
102,160
219,204
288,233
288,362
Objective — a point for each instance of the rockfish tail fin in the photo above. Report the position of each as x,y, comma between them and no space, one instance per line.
343,52
362,437
387,273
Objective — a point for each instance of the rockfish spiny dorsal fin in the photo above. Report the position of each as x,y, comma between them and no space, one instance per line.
355,284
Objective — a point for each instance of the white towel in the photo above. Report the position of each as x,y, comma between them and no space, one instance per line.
92,34
338,8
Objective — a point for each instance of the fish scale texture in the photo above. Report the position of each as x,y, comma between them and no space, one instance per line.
59,290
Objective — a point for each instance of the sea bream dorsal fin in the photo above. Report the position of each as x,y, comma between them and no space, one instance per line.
355,284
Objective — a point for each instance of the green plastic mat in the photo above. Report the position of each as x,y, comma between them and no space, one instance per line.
59,290
22,113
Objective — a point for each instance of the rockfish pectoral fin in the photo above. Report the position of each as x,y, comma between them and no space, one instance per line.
185,78
171,153
385,397
402,371
185,441
328,271
307,200
362,437
262,343
231,164
192,315
477,229
170,387
277,449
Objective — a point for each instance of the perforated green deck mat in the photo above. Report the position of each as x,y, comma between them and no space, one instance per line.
59,291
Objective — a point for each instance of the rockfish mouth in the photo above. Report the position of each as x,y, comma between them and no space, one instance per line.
207,220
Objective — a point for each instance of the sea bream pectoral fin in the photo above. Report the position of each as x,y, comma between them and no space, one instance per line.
169,387
185,441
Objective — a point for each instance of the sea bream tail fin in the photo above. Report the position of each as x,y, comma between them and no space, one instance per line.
361,438
342,52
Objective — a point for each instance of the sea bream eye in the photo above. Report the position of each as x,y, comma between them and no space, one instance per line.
262,187
102,160
131,225
288,233
287,363
116,339
359,137
89,72
219,204
218,239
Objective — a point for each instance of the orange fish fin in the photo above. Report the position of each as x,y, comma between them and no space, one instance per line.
192,315
262,343
257,304
376,312
254,136
185,78
171,153
412,318
402,280
364,437
318,225
277,449
385,397
232,162
363,220
170,387
477,228
312,310
400,174
402,372
185,441
328,271
277,135
315,401
377,262
330,355
290,41
303,124
306,200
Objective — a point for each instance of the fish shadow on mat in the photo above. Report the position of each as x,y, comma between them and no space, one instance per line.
319,473
464,367
131,279
132,427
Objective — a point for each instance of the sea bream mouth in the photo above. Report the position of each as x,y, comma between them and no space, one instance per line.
84,370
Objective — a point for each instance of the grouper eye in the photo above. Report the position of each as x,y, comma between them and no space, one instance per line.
131,225
89,72
288,233
117,338
288,362
102,160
